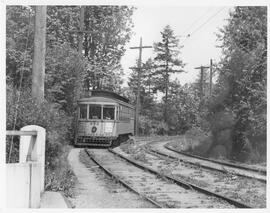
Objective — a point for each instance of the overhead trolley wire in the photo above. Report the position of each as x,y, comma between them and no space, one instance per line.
203,24
195,22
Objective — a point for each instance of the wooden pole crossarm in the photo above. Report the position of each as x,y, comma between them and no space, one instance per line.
201,67
140,47
147,67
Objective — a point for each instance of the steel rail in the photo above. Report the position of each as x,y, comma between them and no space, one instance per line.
181,182
151,151
125,184
217,161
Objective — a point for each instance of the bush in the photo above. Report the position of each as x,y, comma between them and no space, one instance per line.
57,125
198,141
149,126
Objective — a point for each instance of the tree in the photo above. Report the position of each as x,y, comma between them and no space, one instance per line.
167,52
104,47
61,20
183,110
109,29
63,25
19,45
65,75
242,77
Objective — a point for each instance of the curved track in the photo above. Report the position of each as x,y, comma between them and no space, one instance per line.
260,171
157,189
182,183
161,148
122,181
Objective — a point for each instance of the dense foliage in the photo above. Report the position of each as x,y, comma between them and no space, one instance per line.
108,30
241,88
66,73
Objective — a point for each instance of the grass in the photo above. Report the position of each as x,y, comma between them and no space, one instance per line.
193,142
134,150
61,178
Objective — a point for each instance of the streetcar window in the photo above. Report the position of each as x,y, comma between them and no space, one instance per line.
108,112
94,111
124,114
83,111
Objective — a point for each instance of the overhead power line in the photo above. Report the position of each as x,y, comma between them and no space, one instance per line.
195,22
203,24
207,20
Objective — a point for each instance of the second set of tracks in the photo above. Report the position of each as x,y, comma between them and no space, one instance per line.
211,164
162,190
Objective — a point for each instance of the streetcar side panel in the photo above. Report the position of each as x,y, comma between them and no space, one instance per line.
125,119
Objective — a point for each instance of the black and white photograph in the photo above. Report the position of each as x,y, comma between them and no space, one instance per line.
134,105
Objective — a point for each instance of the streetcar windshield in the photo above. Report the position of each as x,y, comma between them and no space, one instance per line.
83,111
94,111
108,112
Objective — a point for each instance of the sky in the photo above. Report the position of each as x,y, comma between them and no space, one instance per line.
202,23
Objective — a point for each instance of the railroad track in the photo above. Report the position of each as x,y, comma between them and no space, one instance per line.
260,171
161,148
158,188
260,178
248,189
183,183
122,181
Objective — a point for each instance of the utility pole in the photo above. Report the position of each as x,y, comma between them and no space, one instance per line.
81,29
38,73
139,85
211,76
201,81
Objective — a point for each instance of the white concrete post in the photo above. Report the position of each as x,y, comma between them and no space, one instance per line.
37,149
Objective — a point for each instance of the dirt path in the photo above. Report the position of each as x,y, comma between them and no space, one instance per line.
95,190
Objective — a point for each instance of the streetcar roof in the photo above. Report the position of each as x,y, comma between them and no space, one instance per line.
103,101
105,94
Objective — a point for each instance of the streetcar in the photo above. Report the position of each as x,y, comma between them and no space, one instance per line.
103,118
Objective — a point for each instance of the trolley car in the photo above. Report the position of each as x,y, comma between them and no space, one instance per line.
103,117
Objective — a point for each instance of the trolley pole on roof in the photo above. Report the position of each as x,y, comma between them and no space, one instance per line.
139,85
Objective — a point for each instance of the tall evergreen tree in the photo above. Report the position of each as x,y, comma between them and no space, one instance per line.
167,57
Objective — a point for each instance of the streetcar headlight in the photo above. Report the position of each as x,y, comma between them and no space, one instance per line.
94,129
